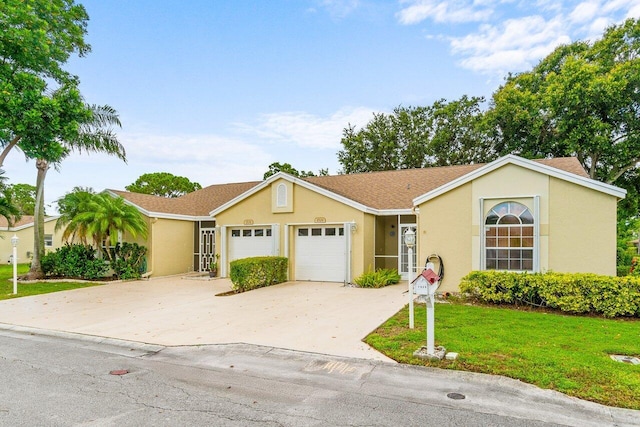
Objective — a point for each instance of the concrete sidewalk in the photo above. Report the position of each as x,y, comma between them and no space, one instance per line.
309,316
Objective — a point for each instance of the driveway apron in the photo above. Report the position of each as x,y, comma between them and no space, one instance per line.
307,316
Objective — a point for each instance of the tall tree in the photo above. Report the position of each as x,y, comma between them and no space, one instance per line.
37,39
582,100
445,133
163,184
276,167
94,135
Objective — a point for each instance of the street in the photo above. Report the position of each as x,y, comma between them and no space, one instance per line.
65,380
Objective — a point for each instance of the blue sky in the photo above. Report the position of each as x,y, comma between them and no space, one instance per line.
216,90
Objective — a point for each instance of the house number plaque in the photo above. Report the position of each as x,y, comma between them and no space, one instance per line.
320,220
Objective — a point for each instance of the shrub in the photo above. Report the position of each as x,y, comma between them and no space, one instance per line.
574,293
257,272
74,261
377,279
129,260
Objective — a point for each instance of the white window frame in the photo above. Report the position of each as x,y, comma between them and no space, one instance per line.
536,229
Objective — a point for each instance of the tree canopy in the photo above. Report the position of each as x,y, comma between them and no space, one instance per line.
444,133
23,196
163,184
39,101
276,167
581,100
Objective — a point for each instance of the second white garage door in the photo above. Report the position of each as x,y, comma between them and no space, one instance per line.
320,253
250,242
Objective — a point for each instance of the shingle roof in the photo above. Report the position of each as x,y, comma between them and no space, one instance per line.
379,190
396,189
197,203
25,220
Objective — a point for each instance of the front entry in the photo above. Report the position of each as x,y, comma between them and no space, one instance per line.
207,247
403,250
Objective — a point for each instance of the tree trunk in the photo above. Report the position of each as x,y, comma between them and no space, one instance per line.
7,149
38,227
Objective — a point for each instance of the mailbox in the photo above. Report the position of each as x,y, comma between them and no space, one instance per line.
426,283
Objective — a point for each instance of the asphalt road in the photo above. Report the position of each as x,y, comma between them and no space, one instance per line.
66,380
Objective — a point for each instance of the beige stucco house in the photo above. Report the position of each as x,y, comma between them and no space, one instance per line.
511,214
23,229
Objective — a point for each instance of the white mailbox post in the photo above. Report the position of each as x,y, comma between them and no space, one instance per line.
426,284
14,243
410,241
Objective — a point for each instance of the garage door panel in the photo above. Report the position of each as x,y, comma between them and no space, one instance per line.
320,253
250,242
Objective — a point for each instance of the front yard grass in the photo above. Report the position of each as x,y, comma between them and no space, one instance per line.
27,289
566,353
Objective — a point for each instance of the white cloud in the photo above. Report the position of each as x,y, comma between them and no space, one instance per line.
584,12
444,11
206,159
308,130
530,31
513,45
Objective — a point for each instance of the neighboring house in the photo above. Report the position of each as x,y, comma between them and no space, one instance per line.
511,214
23,229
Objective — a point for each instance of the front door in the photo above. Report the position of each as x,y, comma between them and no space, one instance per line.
403,261
207,247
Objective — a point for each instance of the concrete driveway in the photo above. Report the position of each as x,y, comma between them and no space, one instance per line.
309,316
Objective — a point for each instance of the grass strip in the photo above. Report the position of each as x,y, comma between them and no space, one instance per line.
37,288
566,353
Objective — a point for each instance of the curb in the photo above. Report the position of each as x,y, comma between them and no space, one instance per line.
94,339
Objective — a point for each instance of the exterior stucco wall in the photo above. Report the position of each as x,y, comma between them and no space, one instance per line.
576,225
25,244
582,230
170,246
309,207
445,228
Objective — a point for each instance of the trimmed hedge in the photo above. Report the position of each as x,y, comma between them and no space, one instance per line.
573,293
257,272
78,261
377,279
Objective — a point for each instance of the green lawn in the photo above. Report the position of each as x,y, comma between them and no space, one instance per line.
27,289
566,353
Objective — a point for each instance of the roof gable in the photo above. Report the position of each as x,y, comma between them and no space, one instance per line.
298,181
560,168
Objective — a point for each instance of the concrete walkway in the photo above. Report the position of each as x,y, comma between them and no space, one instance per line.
309,316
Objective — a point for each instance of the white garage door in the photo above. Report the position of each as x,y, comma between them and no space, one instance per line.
249,242
321,253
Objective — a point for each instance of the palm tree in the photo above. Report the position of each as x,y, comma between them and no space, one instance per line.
7,209
106,218
94,135
69,206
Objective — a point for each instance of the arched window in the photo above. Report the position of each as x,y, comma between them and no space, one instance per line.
281,196
509,237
